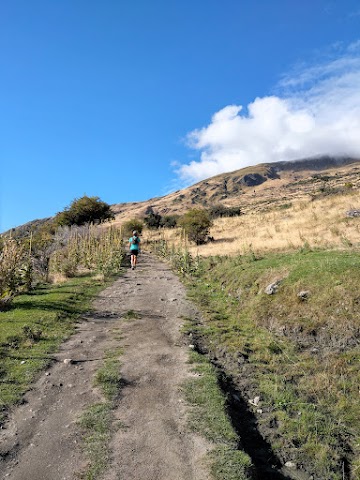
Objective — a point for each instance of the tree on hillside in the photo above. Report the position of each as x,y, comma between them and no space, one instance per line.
217,211
85,210
196,224
133,224
169,221
153,219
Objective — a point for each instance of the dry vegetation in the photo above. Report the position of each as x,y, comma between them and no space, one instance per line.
321,223
292,208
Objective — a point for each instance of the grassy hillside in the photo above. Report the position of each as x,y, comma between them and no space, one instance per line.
322,222
292,357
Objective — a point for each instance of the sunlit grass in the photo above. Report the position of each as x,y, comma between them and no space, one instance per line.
321,223
302,357
51,312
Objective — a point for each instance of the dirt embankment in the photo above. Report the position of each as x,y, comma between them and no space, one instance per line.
42,440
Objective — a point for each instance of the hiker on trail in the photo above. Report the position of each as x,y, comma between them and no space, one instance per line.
134,242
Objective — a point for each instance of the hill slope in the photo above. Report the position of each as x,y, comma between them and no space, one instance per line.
252,187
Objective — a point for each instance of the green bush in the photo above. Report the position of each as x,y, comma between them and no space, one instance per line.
169,221
221,211
196,224
84,210
153,220
133,224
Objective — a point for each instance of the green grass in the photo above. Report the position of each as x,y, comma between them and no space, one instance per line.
301,357
34,328
230,464
131,315
108,378
208,417
96,421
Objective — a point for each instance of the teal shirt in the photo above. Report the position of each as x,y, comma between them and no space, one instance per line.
134,246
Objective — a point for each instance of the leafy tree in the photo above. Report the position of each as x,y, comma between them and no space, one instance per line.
196,224
217,211
133,224
84,210
153,220
169,221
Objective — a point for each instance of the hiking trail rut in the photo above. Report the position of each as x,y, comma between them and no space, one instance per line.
42,439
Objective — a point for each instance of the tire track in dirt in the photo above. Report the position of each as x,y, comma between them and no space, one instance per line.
42,440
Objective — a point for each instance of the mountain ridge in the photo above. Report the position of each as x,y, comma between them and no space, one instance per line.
249,186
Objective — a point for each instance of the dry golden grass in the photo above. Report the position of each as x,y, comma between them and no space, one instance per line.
57,277
321,223
301,208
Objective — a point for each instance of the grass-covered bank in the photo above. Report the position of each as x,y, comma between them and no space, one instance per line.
208,417
294,354
34,328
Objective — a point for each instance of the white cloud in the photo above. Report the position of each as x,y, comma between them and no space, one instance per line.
316,111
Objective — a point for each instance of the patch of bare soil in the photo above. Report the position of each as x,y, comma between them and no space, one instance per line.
41,440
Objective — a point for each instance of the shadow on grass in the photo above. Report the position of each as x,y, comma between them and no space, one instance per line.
267,465
58,307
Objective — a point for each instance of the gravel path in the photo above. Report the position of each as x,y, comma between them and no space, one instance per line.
42,440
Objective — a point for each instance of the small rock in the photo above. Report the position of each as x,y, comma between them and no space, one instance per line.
290,465
353,213
303,295
173,299
68,361
255,402
192,347
47,374
22,362
272,288
259,410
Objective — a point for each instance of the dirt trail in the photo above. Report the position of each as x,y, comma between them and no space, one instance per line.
42,440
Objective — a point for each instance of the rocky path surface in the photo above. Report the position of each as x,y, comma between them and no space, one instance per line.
145,308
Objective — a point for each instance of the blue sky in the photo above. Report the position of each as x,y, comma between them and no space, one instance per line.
129,99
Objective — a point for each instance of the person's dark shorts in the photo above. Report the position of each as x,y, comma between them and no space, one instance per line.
134,252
